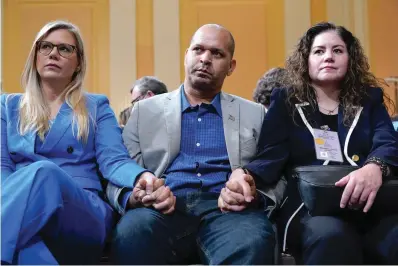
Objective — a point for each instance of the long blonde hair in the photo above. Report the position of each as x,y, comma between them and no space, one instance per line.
34,112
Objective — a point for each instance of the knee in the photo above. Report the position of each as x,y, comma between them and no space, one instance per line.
262,237
43,165
382,241
41,173
328,229
260,231
141,221
43,168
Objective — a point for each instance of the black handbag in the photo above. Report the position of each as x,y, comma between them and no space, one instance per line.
316,185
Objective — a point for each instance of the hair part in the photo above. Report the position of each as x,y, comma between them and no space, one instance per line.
34,112
355,83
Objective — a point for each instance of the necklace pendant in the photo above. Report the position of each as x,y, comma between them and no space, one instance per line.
325,127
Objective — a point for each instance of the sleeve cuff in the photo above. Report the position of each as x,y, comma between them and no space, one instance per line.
262,200
123,199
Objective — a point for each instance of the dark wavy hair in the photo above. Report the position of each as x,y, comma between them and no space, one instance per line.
271,79
355,83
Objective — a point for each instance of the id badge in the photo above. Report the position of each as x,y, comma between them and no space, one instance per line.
327,145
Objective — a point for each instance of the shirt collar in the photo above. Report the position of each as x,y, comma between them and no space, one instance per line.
216,103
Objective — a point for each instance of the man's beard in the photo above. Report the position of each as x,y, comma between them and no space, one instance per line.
204,85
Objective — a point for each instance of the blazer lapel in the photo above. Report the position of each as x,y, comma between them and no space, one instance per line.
313,116
230,115
343,130
172,113
61,123
29,143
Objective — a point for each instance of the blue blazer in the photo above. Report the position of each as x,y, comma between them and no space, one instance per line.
104,150
286,142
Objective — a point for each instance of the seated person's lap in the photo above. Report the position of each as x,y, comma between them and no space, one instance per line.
197,227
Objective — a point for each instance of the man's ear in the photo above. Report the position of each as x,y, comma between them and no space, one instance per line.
150,93
232,66
185,57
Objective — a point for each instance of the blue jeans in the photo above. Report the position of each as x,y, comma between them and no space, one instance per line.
197,228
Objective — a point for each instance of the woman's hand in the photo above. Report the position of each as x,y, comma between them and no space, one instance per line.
361,186
239,192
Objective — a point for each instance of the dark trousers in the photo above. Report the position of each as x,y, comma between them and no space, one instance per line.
197,228
349,239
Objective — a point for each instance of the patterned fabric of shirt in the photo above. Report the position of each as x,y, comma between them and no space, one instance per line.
202,163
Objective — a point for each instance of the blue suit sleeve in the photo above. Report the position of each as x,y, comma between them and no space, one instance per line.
113,159
384,139
124,199
7,165
273,146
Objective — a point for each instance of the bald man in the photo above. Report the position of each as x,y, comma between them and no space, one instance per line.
196,201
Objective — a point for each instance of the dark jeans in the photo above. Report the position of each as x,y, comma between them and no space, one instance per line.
350,239
196,228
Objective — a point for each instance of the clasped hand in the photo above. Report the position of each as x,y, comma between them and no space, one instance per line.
239,192
151,191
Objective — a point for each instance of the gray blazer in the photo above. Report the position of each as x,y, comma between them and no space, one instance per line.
152,136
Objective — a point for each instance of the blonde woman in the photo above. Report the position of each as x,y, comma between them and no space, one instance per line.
55,141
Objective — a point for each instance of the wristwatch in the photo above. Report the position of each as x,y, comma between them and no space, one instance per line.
383,166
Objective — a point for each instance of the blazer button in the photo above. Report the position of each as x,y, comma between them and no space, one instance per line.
69,149
355,158
13,153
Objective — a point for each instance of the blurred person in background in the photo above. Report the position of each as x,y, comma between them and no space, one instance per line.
143,88
273,78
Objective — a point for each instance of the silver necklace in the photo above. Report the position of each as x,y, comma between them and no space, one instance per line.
330,112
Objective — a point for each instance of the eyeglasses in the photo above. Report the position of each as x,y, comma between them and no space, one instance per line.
139,98
65,50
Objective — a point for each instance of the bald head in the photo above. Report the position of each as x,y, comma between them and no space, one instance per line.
209,59
205,28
